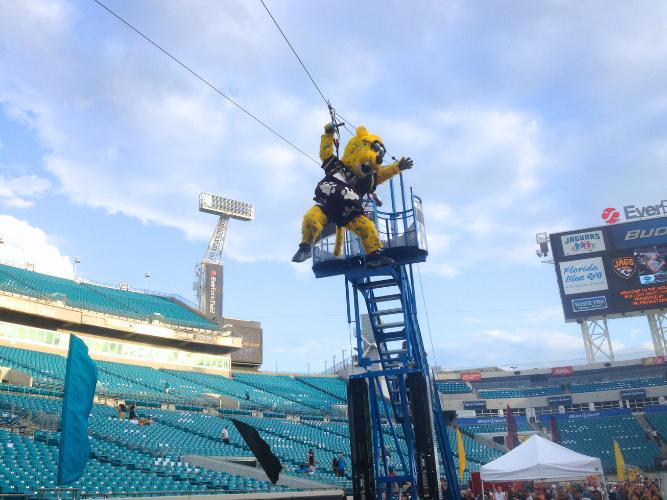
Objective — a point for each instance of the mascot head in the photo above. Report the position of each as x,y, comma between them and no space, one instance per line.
363,153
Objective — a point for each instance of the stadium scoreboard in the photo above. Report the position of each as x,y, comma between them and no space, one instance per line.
611,271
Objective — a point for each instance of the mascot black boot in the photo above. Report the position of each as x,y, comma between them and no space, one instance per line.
303,253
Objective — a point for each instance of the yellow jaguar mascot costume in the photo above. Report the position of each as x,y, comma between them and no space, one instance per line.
338,196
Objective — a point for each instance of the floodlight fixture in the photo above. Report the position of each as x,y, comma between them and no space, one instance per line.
542,239
226,207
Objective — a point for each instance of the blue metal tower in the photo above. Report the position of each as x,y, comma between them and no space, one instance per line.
406,422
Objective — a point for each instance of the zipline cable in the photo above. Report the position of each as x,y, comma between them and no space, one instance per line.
317,87
294,52
205,81
428,323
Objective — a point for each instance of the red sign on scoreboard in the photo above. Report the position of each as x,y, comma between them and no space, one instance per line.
471,376
559,371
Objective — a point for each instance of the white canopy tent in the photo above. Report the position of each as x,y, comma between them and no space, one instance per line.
538,459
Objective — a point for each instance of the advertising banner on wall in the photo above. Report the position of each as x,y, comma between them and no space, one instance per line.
583,275
559,400
213,290
471,376
477,404
560,371
612,270
653,360
581,243
633,394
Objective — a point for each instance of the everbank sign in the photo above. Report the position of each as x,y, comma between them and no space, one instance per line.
632,212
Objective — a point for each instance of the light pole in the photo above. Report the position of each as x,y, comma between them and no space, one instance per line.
325,366
343,358
77,261
308,367
147,276
333,366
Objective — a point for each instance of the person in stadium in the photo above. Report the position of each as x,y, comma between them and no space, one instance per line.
499,494
310,459
443,487
341,465
338,196
225,435
334,465
122,409
133,412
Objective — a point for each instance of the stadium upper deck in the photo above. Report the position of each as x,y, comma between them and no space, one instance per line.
630,384
58,304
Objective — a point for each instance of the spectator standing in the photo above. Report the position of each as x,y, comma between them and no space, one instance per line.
225,435
443,487
341,465
122,409
133,412
334,465
312,464
499,495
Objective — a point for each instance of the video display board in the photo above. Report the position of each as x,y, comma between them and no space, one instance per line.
613,270
251,354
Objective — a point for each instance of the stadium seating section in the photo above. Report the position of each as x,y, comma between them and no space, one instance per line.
659,422
452,387
456,387
619,384
127,458
102,299
472,429
145,386
595,437
527,392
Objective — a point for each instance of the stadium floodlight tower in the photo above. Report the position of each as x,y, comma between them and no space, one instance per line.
209,272
394,410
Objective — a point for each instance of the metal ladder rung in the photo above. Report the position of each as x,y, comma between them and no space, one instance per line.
390,336
385,298
391,353
396,310
371,285
384,326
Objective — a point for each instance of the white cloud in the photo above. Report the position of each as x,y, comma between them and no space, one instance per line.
24,244
17,192
520,345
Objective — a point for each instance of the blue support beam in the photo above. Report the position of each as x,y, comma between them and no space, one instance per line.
395,347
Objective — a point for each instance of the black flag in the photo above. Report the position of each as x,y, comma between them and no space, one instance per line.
260,449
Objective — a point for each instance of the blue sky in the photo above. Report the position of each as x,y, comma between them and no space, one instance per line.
521,117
